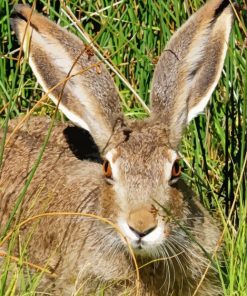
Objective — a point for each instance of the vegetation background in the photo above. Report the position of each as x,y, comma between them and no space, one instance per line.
131,34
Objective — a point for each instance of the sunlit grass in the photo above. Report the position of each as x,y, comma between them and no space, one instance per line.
131,36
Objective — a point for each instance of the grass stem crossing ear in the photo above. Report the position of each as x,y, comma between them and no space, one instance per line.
59,59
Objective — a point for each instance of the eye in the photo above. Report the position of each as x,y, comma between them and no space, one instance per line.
107,169
176,169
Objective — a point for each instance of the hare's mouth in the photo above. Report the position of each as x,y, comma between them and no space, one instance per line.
142,242
140,246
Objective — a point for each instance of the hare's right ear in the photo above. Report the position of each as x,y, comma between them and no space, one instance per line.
70,73
190,67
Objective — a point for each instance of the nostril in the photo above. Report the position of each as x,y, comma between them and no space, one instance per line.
143,233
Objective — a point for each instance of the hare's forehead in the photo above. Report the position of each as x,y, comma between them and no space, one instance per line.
139,155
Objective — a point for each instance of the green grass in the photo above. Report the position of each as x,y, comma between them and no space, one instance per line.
133,34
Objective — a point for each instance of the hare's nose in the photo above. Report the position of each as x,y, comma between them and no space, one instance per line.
142,234
142,221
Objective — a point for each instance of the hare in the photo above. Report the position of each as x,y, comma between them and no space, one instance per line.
163,238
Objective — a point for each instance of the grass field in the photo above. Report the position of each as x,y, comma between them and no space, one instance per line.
132,34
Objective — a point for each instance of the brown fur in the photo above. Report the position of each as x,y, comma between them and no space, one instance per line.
73,247
158,216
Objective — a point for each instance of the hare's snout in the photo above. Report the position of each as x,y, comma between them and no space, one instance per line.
142,228
142,221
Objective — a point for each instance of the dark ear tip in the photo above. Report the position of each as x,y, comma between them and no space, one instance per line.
16,15
224,4
20,11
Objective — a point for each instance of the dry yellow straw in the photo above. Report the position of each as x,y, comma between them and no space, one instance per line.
52,214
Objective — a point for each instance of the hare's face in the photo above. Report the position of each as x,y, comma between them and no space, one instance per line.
141,180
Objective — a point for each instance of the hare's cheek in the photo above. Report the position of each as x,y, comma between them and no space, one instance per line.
109,204
176,204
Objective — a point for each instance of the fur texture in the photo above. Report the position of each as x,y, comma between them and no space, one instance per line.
171,234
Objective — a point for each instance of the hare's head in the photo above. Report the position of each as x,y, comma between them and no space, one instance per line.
140,157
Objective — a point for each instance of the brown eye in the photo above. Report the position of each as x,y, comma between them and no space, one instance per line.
107,169
176,169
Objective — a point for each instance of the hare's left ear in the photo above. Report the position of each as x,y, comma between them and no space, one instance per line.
70,73
190,67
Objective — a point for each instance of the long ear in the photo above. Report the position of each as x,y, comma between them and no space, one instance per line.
88,97
190,67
